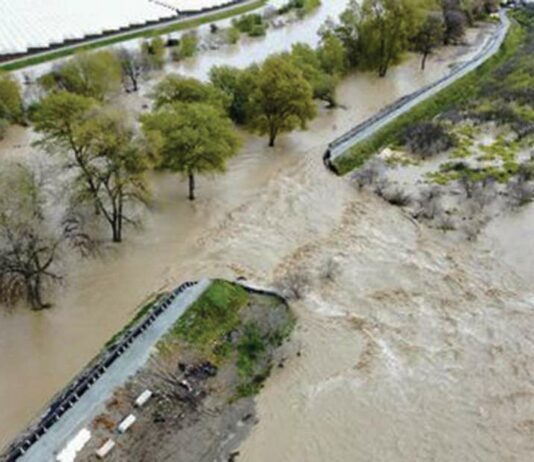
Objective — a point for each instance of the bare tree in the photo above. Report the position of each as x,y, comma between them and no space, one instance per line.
28,248
133,66
293,285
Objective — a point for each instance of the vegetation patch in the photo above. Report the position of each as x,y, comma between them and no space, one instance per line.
460,92
233,329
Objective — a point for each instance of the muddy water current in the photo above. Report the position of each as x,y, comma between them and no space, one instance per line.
413,348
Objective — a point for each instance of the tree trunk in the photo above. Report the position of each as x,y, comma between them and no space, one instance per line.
191,186
117,230
272,137
423,62
34,293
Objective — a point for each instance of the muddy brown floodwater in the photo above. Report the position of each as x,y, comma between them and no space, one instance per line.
413,349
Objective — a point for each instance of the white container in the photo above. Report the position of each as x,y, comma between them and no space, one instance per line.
126,423
105,449
143,398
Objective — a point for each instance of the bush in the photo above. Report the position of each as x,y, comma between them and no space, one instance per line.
187,48
427,139
232,35
251,24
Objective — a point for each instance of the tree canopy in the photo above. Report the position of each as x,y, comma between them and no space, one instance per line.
101,146
192,139
175,88
11,108
431,34
282,100
96,74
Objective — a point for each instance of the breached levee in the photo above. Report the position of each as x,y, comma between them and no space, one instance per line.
123,356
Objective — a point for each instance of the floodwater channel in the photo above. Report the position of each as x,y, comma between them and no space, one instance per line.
413,348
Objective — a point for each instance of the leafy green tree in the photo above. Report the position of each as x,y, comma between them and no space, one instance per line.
11,108
375,33
430,36
153,52
332,55
282,100
175,88
192,139
97,74
238,85
307,61
107,159
28,246
117,162
385,29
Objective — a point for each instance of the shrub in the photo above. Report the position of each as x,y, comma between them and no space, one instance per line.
232,35
251,24
427,139
187,48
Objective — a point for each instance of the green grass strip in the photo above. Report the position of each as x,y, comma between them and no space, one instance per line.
464,89
164,29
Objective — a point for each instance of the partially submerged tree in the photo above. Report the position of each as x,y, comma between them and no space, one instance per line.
192,139
455,24
116,163
430,36
133,67
187,47
95,74
177,89
28,247
375,33
282,100
238,85
101,149
332,55
385,29
153,52
11,108
307,61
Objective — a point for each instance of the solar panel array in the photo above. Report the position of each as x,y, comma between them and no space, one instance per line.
36,24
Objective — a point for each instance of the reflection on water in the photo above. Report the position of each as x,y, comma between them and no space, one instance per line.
407,355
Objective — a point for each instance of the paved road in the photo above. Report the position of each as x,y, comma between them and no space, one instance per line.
92,402
359,133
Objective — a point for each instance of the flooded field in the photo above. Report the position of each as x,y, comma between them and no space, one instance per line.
413,348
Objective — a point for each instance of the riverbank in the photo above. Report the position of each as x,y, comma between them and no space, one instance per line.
354,148
203,377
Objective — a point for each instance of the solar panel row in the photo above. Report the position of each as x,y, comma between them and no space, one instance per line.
34,24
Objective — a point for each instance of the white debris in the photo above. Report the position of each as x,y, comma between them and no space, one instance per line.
143,398
75,445
105,449
126,423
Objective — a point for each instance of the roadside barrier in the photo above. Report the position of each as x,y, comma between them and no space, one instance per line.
88,377
345,142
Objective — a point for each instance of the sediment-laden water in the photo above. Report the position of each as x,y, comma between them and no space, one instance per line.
413,348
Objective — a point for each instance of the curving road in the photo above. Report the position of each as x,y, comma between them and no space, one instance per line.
344,143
